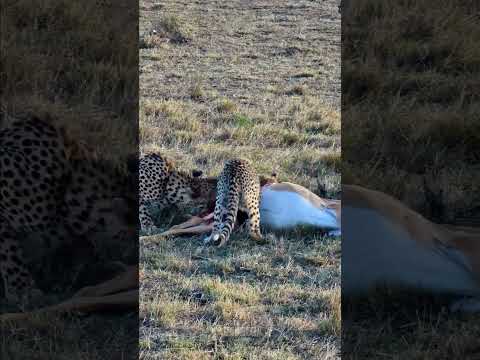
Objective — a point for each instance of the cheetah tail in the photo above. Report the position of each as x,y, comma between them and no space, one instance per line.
231,214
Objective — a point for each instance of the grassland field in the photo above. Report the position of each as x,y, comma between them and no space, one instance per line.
257,80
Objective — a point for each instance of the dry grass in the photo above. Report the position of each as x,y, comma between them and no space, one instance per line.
260,81
245,299
410,80
77,65
411,94
84,80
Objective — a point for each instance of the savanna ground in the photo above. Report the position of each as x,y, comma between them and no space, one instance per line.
70,62
410,90
257,80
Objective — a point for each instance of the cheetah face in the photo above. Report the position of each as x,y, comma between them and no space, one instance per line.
204,190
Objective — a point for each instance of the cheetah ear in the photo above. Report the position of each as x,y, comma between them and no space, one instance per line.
197,173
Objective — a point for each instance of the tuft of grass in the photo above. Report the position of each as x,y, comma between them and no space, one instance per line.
242,121
197,92
226,106
296,90
150,41
172,27
325,121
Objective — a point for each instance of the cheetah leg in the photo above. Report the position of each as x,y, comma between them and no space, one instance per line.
253,222
18,282
146,221
218,213
217,223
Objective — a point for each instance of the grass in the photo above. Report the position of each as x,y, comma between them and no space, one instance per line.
409,95
244,299
173,28
76,64
247,84
402,323
410,129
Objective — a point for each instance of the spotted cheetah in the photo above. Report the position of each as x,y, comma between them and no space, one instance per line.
47,193
162,184
238,188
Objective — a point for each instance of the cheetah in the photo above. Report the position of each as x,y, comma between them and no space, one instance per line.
47,193
238,188
162,184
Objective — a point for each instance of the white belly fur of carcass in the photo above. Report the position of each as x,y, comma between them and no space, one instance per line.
285,210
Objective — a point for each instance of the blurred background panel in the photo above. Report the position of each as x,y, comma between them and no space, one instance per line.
74,65
410,129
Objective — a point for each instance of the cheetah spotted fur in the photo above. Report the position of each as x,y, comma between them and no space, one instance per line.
46,193
238,188
163,185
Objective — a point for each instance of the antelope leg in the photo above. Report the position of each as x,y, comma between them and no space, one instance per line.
208,217
193,221
126,280
126,299
199,229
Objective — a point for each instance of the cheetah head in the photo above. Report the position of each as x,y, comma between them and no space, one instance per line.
101,199
204,189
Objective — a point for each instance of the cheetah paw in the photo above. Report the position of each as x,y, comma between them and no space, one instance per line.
258,238
215,239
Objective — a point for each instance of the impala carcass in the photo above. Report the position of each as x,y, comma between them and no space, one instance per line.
386,243
283,206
